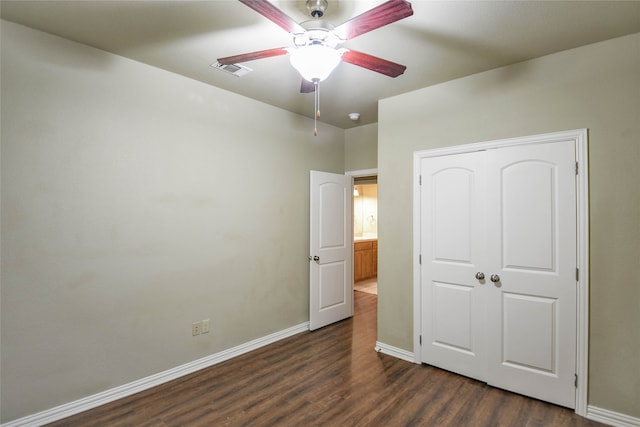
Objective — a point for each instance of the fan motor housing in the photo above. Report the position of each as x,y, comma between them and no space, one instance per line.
317,32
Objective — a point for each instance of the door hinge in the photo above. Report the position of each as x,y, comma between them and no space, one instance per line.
575,381
576,168
420,259
420,339
419,179
577,274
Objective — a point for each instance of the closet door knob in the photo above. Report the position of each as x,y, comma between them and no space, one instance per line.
480,275
495,278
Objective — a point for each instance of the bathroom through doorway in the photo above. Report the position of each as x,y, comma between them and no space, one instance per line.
365,234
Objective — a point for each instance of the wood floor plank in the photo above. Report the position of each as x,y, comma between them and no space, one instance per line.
328,377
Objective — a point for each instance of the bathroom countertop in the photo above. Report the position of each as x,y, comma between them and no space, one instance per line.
364,239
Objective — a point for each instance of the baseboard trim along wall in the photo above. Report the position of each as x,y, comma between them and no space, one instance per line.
395,352
614,419
90,402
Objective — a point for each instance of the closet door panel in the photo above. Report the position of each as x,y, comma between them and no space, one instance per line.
453,316
531,245
535,318
528,211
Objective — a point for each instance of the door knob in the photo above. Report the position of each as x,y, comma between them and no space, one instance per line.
480,275
495,278
314,258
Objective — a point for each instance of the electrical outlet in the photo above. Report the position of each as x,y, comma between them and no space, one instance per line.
205,326
196,328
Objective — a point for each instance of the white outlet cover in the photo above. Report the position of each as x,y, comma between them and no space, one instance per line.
205,326
196,328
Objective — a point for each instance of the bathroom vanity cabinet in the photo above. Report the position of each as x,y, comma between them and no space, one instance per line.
365,259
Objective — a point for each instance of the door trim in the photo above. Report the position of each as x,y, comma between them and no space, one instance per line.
580,138
362,172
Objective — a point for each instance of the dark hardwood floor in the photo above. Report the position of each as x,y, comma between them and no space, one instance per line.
329,377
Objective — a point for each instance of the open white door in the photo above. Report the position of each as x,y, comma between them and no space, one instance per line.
331,249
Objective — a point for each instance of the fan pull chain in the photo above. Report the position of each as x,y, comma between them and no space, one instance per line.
316,107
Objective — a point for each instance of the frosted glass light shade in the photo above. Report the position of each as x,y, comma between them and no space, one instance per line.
314,62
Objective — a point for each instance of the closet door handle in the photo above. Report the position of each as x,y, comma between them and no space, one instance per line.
480,275
495,278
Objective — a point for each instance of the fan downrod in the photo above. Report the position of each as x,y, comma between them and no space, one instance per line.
317,8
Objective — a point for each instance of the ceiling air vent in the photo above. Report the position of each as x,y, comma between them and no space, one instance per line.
235,69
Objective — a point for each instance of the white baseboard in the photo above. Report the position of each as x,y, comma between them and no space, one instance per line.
93,401
611,418
395,352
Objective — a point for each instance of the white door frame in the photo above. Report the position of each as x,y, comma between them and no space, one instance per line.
580,138
362,172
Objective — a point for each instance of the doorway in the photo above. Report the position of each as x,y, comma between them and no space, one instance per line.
365,233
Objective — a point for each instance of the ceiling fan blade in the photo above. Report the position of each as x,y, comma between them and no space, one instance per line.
307,87
379,16
373,63
274,14
236,59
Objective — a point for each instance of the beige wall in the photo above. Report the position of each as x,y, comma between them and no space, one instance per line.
595,87
361,148
130,210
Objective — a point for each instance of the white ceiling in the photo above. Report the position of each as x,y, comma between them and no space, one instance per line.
443,40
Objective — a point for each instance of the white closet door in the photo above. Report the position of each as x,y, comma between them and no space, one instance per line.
508,214
453,300
531,245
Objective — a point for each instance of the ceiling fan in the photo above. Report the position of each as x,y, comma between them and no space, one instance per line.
316,41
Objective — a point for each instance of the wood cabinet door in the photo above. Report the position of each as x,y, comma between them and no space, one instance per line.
365,259
358,261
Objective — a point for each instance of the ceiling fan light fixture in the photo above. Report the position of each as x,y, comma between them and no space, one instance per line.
314,62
